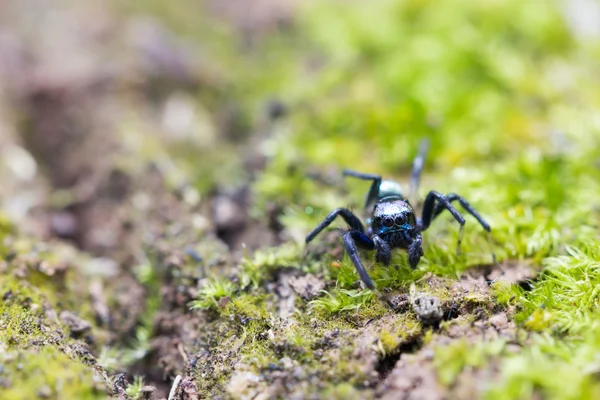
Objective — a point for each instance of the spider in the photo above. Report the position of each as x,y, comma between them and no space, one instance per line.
393,222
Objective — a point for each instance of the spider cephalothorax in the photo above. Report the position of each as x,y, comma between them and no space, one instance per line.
393,222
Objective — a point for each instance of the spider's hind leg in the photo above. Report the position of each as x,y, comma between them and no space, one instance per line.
375,185
417,169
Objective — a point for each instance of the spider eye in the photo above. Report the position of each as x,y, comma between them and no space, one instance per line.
388,221
400,220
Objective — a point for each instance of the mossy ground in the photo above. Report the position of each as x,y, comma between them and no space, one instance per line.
505,91
37,354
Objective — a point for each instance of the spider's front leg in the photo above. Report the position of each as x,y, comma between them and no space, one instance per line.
432,209
468,208
437,200
348,216
415,251
384,251
441,206
351,239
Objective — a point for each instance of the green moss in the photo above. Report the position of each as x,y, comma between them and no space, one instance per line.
452,359
263,263
212,292
34,352
20,325
46,372
505,293
248,306
551,368
341,391
567,291
134,390
562,307
405,330
339,300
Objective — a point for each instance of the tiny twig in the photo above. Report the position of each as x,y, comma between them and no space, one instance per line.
174,387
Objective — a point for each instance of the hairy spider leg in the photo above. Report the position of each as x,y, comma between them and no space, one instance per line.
415,251
351,219
468,208
451,197
384,251
417,169
373,191
429,207
352,239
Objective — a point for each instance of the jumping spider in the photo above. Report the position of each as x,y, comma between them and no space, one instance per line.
393,222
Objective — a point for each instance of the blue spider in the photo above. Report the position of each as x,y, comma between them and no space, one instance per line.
394,223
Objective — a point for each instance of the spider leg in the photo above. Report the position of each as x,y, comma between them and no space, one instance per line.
429,207
373,191
417,168
351,219
384,251
415,251
468,208
352,239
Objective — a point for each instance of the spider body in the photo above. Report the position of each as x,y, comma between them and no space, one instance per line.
394,223
392,218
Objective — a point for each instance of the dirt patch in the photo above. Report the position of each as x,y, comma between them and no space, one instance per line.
234,226
519,273
413,377
475,319
77,326
307,286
